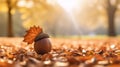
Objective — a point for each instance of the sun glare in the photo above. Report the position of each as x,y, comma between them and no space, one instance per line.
68,5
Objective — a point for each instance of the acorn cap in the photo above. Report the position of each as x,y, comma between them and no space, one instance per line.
41,36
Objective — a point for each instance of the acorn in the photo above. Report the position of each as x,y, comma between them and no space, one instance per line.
42,44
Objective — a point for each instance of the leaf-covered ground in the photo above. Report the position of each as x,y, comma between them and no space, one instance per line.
64,53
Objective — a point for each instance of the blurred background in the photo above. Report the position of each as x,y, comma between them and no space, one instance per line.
60,17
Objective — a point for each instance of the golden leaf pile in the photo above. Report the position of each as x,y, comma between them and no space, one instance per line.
31,34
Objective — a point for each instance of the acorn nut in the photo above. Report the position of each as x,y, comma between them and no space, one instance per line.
42,44
41,40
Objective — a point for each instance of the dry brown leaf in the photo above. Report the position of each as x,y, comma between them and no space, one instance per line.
31,34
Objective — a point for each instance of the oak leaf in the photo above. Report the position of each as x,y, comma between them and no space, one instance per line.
32,33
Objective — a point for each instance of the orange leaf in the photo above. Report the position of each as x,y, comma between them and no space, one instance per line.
31,34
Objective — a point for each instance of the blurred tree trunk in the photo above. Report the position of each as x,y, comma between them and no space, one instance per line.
111,9
10,30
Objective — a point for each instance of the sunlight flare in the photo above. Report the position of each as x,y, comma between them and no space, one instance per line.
68,5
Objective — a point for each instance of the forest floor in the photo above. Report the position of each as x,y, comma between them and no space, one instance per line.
66,52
